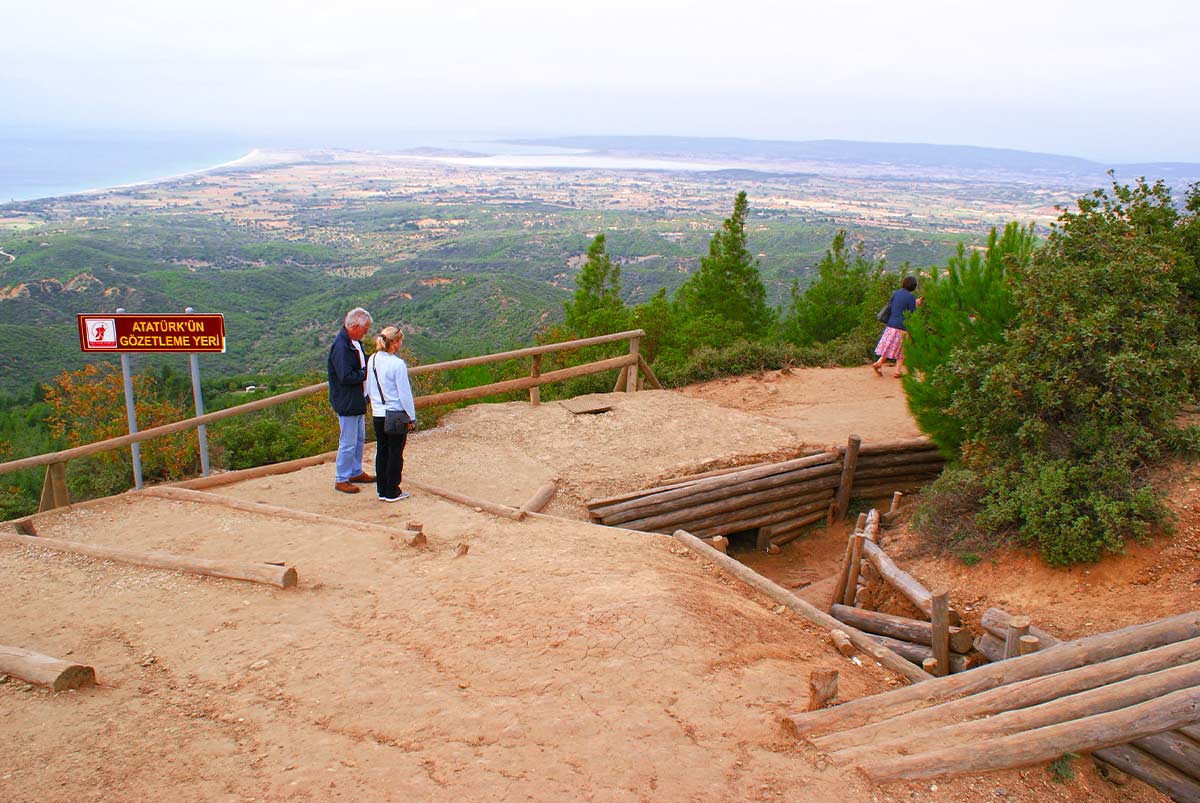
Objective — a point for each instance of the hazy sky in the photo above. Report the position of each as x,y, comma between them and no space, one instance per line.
1106,80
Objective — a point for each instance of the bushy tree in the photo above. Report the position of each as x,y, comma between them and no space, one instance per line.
596,308
965,307
1062,419
727,288
846,294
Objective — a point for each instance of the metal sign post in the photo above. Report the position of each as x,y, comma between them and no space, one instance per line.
198,396
131,414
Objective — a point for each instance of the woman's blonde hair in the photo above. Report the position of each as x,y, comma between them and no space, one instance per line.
387,336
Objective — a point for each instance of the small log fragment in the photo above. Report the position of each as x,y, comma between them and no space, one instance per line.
721,544
43,670
900,627
930,665
415,527
1029,644
1066,656
842,642
940,620
1150,770
797,605
822,688
1017,626
863,598
268,573
461,550
849,462
540,498
1044,744
895,506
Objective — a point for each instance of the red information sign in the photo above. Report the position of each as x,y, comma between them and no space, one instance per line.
189,332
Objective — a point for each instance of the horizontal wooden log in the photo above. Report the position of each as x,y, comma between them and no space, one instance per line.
268,573
1044,744
995,621
1066,656
901,459
671,483
1192,732
899,627
876,476
1168,780
740,524
540,498
884,490
270,470
800,493
885,447
917,653
904,582
275,511
787,531
1019,695
1175,749
44,670
523,383
781,595
736,482
1062,709
716,489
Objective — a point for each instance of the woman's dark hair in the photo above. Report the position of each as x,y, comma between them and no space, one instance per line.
909,283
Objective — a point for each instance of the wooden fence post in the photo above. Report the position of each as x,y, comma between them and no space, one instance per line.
849,462
940,618
631,378
1017,626
535,392
855,568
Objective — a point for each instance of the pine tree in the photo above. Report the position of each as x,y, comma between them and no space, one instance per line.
597,308
728,286
845,294
969,306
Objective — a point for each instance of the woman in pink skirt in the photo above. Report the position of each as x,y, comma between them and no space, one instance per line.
891,342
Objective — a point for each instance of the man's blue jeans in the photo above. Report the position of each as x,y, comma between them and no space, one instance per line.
351,439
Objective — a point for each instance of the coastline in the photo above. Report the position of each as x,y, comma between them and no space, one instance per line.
255,158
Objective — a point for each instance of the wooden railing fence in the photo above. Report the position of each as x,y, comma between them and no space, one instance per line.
54,488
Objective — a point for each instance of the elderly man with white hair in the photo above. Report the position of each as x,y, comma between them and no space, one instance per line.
348,396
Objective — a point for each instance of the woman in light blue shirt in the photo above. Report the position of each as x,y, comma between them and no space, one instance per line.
389,389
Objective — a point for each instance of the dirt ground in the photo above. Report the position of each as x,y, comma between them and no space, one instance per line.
556,660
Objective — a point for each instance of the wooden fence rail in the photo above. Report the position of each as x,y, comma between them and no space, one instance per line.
55,495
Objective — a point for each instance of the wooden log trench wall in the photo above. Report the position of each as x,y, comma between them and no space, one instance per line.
1131,697
778,499
940,644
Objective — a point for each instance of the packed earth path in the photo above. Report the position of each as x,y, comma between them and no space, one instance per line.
554,660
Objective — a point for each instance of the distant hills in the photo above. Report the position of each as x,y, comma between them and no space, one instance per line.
892,154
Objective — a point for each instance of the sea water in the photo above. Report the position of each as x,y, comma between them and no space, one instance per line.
43,163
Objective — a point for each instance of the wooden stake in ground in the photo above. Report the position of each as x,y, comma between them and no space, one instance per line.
849,461
269,573
33,667
822,688
940,618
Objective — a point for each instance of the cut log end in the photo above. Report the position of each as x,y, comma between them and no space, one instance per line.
290,578
822,688
75,676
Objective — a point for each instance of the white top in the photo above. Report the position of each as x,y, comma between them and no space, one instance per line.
392,385
362,360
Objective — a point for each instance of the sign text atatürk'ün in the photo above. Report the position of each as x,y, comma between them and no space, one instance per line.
190,332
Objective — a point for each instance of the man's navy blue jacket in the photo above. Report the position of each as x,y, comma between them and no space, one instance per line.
346,377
